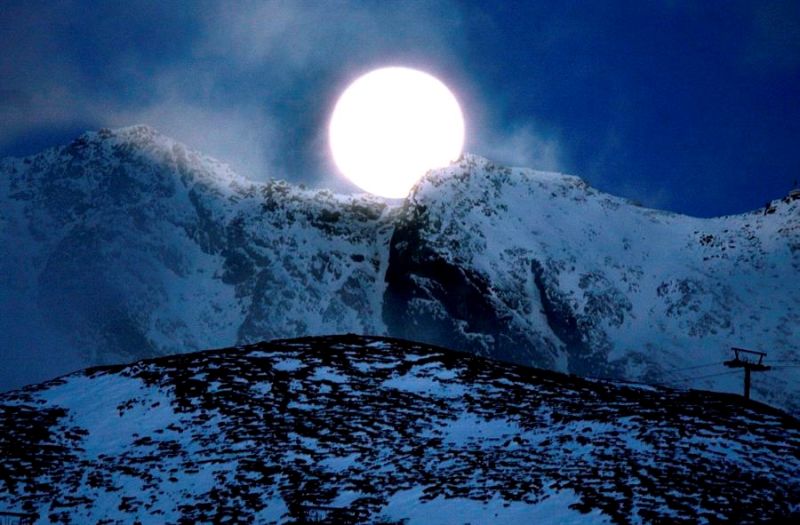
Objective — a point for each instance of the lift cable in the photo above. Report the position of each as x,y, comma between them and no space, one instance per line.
706,376
675,370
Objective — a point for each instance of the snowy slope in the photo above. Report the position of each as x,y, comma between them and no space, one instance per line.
540,268
355,429
129,245
125,244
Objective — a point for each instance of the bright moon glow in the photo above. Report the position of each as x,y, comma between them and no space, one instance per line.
391,126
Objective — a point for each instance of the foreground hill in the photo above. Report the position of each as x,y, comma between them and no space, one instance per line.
358,429
126,244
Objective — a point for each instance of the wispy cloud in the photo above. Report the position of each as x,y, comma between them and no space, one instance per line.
251,83
523,146
238,135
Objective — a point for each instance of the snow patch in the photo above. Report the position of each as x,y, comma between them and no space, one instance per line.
554,509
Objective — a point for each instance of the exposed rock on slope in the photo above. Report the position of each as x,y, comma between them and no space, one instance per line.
126,244
367,429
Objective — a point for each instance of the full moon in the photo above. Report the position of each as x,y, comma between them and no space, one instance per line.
391,126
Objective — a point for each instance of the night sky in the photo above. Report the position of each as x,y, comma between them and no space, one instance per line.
686,106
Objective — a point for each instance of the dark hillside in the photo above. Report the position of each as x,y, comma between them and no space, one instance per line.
354,428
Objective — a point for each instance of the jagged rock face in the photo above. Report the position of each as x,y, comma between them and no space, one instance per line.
354,429
433,297
126,244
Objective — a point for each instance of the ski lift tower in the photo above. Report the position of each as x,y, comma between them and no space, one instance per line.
751,361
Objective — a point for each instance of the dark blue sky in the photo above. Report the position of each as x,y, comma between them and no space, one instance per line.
688,106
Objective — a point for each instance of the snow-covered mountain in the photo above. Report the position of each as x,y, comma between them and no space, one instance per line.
126,244
540,268
351,429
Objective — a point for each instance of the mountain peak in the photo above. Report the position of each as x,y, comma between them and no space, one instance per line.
476,178
140,135
134,132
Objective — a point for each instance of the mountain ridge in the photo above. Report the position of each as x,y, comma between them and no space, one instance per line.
126,244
